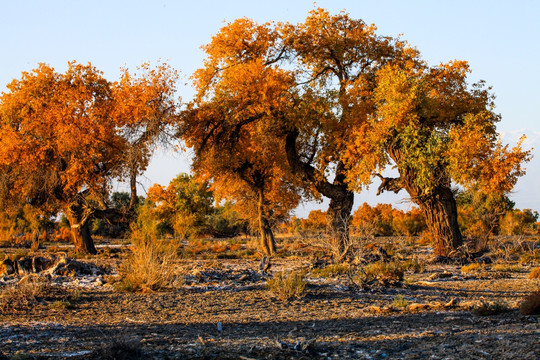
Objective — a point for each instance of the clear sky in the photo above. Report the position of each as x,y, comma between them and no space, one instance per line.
500,39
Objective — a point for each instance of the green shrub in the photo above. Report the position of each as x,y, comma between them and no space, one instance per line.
288,285
400,302
331,271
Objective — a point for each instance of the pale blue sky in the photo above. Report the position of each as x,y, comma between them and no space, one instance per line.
500,39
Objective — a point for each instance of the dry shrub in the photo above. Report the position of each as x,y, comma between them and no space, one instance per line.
331,270
491,308
288,285
219,247
471,268
119,348
414,266
506,268
531,304
400,302
22,296
379,274
535,273
149,267
235,247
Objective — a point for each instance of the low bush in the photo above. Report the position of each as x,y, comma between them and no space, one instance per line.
380,274
288,285
506,268
119,348
535,273
400,302
531,304
60,305
414,266
331,271
22,296
471,268
491,308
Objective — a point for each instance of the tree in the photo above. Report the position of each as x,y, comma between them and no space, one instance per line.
519,222
479,213
336,59
231,124
183,205
376,220
63,143
435,130
305,84
145,112
408,223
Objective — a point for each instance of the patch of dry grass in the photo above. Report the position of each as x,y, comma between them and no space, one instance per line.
331,270
506,268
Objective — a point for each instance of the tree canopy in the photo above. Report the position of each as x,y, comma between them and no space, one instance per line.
65,138
437,131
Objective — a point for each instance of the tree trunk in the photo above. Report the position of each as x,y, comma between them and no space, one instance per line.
339,211
268,243
439,208
82,238
440,211
341,198
133,190
79,221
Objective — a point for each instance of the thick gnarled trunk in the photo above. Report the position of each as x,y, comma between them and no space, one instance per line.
338,214
79,216
267,241
440,212
438,207
80,232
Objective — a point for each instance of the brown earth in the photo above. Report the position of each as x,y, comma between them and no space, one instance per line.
224,310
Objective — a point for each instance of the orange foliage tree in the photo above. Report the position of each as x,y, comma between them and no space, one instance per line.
144,112
183,205
305,84
436,129
63,144
335,59
377,220
231,124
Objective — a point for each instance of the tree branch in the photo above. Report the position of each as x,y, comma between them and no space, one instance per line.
389,184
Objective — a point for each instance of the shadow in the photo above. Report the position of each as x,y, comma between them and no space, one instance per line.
432,334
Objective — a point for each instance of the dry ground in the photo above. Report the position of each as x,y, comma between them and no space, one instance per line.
223,309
